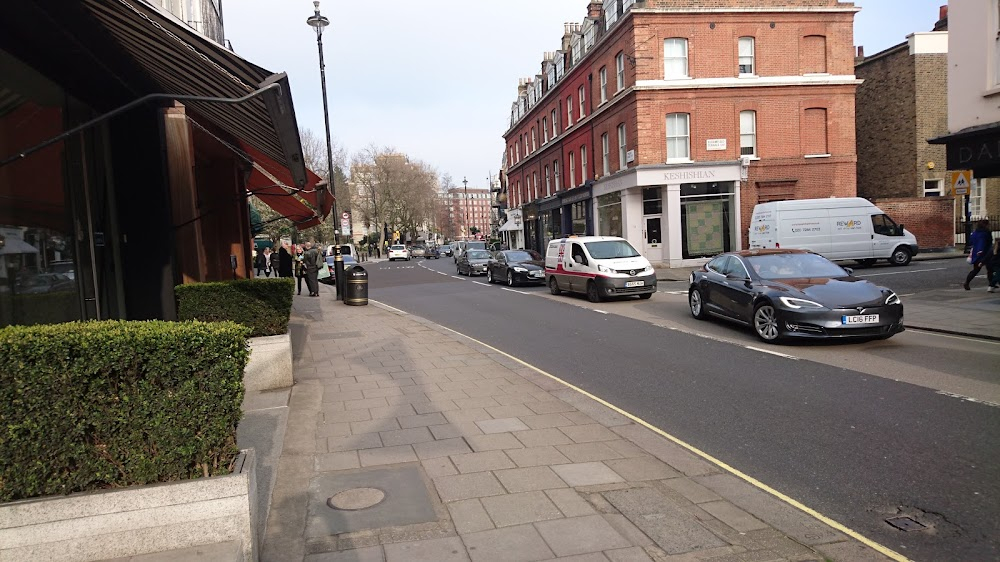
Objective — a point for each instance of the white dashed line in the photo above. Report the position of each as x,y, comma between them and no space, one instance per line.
515,291
901,272
600,311
968,399
673,292
785,355
481,283
457,277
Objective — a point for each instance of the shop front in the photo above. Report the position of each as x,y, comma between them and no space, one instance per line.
511,231
549,220
675,215
576,211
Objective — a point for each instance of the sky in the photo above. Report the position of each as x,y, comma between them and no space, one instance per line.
435,79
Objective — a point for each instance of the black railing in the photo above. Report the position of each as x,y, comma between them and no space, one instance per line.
964,228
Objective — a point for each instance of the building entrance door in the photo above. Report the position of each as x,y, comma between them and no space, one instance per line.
653,238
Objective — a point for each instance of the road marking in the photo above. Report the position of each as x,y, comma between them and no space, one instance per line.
481,283
968,398
732,470
906,295
901,272
457,277
762,350
392,308
515,291
601,311
673,292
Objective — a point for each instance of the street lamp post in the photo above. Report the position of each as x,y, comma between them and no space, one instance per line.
318,23
465,182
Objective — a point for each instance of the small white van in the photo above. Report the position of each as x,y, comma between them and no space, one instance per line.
598,266
847,228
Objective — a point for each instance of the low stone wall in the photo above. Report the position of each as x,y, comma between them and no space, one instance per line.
270,363
134,521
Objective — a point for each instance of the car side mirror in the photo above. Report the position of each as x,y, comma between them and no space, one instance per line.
849,271
899,230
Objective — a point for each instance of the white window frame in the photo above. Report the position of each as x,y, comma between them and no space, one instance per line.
569,111
604,83
746,63
605,149
555,124
572,169
545,131
548,184
621,147
534,139
977,198
583,102
517,152
556,174
937,189
583,164
680,135
678,60
748,133
620,71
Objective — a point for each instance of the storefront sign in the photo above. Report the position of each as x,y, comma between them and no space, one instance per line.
689,175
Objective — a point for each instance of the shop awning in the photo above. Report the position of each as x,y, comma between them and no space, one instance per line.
281,175
509,226
183,62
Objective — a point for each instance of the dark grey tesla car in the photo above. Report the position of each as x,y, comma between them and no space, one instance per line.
516,267
793,294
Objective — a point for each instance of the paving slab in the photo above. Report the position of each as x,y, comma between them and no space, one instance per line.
441,448
479,462
467,486
448,549
469,516
579,535
586,474
570,502
368,554
501,425
672,528
537,456
516,509
522,542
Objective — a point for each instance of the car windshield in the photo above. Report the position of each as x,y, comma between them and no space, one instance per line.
794,266
524,255
478,254
609,249
398,248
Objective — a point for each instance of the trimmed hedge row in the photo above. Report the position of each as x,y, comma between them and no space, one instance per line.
264,305
94,405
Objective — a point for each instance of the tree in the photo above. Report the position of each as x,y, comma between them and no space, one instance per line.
473,230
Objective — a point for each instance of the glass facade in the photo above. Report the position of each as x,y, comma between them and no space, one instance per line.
706,218
579,217
609,214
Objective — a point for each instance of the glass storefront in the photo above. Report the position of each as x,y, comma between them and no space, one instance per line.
579,217
48,207
609,214
706,218
551,226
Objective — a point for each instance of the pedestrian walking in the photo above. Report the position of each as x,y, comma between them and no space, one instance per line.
982,245
994,262
311,260
300,269
263,263
275,263
285,261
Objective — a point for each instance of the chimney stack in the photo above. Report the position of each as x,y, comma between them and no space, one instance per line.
594,10
943,12
567,36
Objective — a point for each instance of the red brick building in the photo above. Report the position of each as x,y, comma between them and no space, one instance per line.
637,125
470,207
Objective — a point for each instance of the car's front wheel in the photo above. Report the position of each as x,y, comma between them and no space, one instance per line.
697,304
900,256
593,292
765,322
554,286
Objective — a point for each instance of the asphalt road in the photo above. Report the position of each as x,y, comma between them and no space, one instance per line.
859,432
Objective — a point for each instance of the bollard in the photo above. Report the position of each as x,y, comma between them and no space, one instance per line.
356,286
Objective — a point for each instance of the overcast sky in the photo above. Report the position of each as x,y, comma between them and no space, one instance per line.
435,78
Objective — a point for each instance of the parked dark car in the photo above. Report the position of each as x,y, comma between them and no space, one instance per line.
516,267
793,294
473,262
445,250
349,262
44,283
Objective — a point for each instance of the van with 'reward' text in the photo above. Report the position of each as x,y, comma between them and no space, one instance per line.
838,228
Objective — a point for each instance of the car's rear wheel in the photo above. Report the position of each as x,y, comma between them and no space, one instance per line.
697,304
510,279
765,322
593,293
554,286
489,276
900,256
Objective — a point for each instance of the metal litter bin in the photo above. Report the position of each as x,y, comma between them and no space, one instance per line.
356,286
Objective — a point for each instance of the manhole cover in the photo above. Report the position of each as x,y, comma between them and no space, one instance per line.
906,524
356,498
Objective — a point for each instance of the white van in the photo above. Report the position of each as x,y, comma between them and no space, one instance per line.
598,266
465,246
848,228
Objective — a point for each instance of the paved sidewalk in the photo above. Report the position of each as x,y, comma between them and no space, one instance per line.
475,456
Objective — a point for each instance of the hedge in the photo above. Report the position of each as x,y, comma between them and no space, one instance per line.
263,305
94,405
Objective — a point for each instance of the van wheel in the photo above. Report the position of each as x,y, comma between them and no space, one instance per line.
697,304
900,256
593,294
645,296
554,286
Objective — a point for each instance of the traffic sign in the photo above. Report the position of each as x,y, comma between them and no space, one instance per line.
960,181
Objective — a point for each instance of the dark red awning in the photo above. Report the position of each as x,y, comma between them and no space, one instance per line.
281,173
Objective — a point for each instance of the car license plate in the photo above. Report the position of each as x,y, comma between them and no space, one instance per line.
634,283
535,274
859,319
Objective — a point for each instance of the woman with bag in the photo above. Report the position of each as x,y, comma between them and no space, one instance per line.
982,244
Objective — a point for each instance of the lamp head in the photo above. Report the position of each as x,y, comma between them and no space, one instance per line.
317,21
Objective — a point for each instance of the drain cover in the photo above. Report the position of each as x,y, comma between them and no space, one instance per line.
356,498
906,524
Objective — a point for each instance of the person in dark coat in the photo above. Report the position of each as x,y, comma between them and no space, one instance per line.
982,244
263,263
311,260
284,262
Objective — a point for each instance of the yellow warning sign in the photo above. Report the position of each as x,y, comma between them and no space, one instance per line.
960,182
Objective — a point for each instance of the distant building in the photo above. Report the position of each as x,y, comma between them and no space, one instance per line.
665,122
466,209
973,139
901,103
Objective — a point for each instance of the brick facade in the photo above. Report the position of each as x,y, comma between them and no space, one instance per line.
805,133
